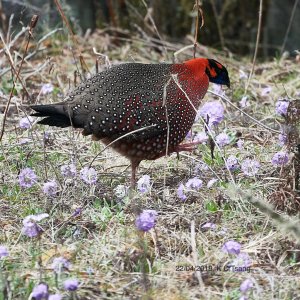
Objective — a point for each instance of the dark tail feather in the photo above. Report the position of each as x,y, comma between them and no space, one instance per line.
56,116
58,121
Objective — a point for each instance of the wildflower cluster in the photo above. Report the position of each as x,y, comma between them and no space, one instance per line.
88,175
47,88
68,171
31,226
250,167
59,265
199,137
28,178
246,286
3,251
143,184
26,122
280,158
232,163
222,139
282,107
241,260
50,188
212,113
121,191
146,220
71,284
193,184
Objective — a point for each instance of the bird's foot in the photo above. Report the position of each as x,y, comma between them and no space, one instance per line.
134,166
187,147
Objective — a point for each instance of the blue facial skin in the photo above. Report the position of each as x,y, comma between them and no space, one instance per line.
220,73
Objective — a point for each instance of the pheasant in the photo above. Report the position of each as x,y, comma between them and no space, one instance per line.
143,111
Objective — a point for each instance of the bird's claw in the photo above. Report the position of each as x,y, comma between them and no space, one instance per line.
187,147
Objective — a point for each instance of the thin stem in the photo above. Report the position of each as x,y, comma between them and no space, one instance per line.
289,26
154,26
244,113
256,45
199,13
222,40
32,25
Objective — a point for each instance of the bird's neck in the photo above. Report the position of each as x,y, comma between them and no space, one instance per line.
193,79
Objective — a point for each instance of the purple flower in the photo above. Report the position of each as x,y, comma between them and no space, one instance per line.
282,107
24,141
240,144
47,137
242,74
77,212
189,135
242,260
282,139
88,175
146,220
27,178
55,297
244,102
30,226
250,167
47,88
90,270
40,292
211,182
3,251
50,188
232,247
232,162
200,167
31,229
280,158
266,91
213,112
71,285
243,298
209,225
143,184
26,122
59,264
246,285
223,231
180,192
222,139
201,137
194,183
121,191
217,88
68,170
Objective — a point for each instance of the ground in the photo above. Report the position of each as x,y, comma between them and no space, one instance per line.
93,225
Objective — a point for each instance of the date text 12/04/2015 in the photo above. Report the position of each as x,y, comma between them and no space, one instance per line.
213,268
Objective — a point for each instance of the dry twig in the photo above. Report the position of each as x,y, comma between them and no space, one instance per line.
32,25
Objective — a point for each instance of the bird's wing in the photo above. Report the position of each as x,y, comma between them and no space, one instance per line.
120,100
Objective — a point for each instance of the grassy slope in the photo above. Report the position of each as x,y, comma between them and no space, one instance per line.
109,257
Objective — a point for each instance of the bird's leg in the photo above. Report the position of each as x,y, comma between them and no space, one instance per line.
134,166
